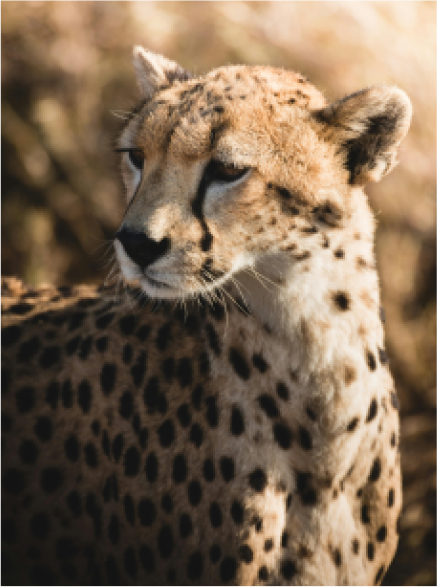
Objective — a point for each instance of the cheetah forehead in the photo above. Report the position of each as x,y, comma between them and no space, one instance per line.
193,113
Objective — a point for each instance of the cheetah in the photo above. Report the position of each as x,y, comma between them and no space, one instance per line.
231,418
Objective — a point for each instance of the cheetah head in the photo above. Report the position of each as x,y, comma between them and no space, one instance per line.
227,171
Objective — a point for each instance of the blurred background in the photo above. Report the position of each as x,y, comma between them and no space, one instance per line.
66,67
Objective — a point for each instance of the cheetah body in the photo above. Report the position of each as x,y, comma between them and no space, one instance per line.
252,442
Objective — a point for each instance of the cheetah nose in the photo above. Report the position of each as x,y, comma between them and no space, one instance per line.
141,249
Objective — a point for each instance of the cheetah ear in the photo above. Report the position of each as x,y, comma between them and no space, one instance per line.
368,127
155,72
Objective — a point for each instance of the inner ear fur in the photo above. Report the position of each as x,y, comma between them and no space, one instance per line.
368,127
155,72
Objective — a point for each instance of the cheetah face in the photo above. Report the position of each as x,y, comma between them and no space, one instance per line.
226,170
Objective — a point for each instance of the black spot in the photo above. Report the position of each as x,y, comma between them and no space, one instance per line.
336,556
183,415
375,471
72,345
74,503
52,394
237,512
373,409
90,455
153,395
9,532
130,562
352,424
28,452
284,540
228,569
166,433
163,337
127,354
215,552
6,423
151,468
227,468
305,439
50,356
282,391
104,321
13,481
215,515
258,480
288,502
305,490
95,513
379,574
268,405
196,397
138,370
381,534
107,377
342,300
383,358
28,349
167,503
127,324
126,405
10,335
391,498
179,468
196,435
84,396
237,421
72,449
143,333
370,551
65,548
213,339
43,428
42,575
129,509
147,559
263,573
165,541
102,344
259,362
132,461
117,447
67,394
146,512
184,372
25,399
365,517
195,566
85,348
283,435
212,413
355,546
40,526
239,364
394,400
245,553
371,362
209,470
112,571
185,526
288,569
194,493
51,479
168,367
204,364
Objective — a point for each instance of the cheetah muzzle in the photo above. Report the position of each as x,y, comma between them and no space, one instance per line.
244,429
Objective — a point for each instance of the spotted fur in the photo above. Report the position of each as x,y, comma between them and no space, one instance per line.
215,442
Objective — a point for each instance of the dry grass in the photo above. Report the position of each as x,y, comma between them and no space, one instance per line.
65,66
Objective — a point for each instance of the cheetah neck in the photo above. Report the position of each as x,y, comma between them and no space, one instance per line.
324,308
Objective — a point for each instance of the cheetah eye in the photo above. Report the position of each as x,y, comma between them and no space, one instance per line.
136,157
226,173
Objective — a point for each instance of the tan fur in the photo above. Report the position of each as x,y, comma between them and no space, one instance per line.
253,442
